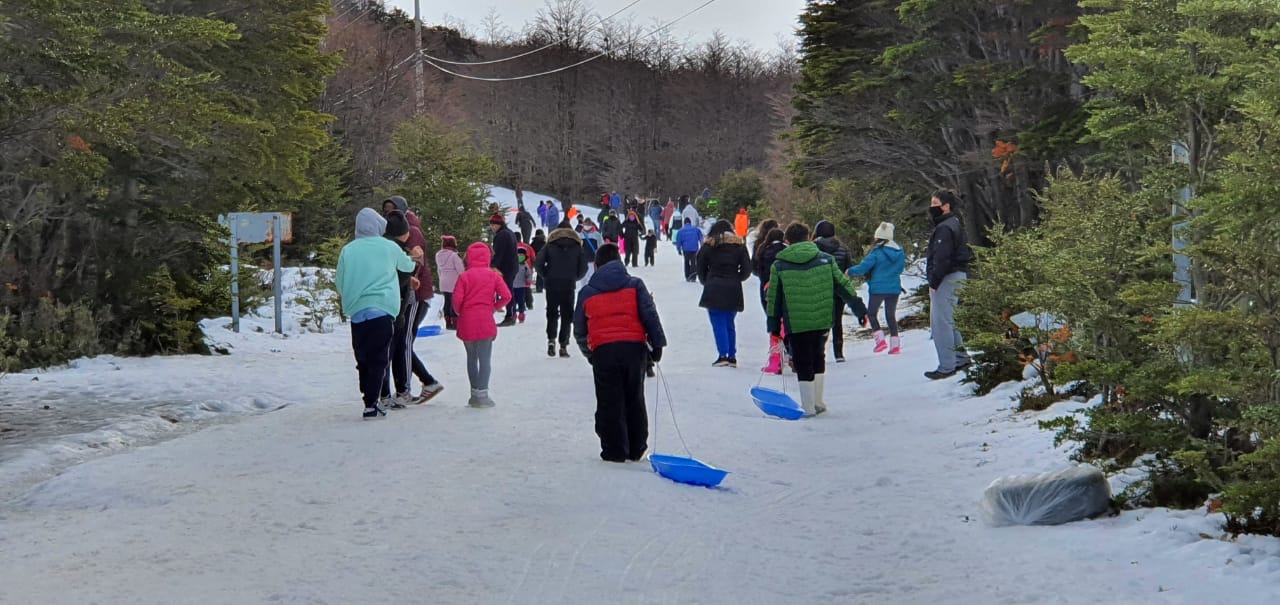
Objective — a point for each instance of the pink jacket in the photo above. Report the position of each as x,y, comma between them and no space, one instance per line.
448,266
479,293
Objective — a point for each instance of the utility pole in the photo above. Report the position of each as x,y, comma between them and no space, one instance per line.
418,86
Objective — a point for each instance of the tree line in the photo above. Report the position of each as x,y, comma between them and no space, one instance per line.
1088,139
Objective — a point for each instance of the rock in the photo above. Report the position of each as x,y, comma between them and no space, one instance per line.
1052,498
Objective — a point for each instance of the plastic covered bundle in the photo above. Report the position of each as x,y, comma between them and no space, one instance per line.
1052,498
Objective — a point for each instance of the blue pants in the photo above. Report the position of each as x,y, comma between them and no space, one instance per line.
722,324
521,298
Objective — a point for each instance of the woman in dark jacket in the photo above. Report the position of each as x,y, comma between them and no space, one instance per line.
723,264
824,235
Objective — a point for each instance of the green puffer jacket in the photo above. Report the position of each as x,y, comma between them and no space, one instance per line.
803,285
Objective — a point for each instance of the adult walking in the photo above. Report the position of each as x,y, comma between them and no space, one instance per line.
883,269
524,221
631,232
947,265
553,215
504,260
561,263
688,240
723,264
668,212
742,223
655,217
423,292
824,235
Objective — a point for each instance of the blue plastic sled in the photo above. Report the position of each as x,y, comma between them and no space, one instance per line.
686,470
426,331
776,403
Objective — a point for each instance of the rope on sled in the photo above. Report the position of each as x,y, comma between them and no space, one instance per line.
661,383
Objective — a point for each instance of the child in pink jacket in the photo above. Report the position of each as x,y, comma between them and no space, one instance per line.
449,266
479,293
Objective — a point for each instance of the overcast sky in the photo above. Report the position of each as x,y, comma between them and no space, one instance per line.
757,22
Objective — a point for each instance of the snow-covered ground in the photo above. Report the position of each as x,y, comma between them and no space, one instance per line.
875,502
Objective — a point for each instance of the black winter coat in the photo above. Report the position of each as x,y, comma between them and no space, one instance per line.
763,261
610,230
832,246
563,261
723,264
949,251
631,231
504,254
538,242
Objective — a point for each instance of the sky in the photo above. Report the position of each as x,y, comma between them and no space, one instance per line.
756,22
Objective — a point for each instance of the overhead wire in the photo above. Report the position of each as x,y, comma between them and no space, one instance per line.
531,52
597,56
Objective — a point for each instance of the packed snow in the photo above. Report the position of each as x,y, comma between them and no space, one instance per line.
300,501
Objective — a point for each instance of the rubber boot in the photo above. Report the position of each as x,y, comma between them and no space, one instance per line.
775,356
895,345
819,388
881,344
807,390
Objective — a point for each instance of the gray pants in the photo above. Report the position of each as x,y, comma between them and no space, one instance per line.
942,322
478,353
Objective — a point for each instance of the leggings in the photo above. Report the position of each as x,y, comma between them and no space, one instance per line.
890,302
478,369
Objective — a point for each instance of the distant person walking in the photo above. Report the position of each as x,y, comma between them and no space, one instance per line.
688,240
723,264
883,269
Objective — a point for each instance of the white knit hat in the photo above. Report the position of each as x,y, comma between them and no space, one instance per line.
885,231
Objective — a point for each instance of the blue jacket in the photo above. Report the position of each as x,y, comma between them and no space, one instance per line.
689,237
883,267
553,216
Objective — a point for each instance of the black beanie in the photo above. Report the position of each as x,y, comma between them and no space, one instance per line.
824,229
397,226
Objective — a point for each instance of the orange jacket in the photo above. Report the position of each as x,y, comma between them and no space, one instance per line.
741,224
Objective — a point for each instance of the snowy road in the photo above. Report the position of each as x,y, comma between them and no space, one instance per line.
876,502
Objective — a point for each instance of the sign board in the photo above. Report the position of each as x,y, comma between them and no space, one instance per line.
257,228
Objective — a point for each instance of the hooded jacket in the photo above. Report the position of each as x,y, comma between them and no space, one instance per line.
610,229
479,293
553,215
883,267
450,266
367,268
616,307
723,264
425,290
689,238
803,284
563,261
742,224
832,246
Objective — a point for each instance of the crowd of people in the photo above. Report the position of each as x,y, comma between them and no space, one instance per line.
385,283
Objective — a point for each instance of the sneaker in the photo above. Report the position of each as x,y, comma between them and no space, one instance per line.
731,362
939,375
508,322
564,352
721,362
374,412
551,348
429,391
839,358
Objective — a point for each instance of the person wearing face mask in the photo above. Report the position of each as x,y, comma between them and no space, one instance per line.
948,261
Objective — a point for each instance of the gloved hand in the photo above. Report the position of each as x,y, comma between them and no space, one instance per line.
655,355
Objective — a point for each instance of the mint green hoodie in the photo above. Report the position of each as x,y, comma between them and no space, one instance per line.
367,268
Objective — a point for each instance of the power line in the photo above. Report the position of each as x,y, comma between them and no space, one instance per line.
525,54
567,67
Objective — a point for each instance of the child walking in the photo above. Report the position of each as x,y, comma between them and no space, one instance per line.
479,293
650,247
883,268
369,285
449,266
803,285
524,281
